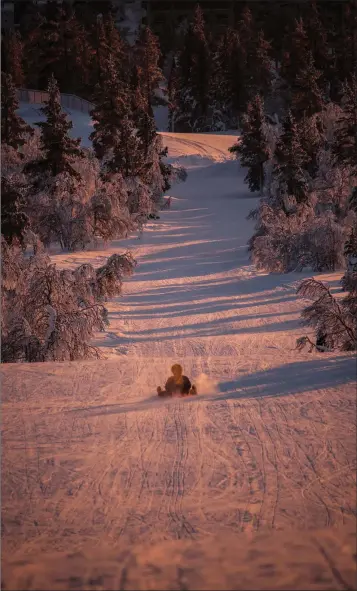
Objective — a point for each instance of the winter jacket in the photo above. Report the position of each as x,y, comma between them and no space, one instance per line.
173,388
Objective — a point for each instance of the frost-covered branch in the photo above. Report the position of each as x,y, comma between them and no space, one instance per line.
334,322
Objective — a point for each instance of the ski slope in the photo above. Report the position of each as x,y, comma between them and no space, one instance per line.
94,464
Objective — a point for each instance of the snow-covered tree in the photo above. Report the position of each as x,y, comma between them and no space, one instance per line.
110,210
14,130
51,314
334,321
252,148
109,277
289,159
349,279
311,137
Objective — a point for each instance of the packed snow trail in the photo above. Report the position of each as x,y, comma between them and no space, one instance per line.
91,456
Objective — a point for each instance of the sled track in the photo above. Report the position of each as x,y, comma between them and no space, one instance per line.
172,469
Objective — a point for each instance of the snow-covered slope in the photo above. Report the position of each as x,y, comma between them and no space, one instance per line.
90,454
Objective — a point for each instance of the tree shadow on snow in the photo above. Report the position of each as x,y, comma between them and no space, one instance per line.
292,378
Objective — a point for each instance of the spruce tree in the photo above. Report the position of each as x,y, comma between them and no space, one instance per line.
13,54
147,57
220,94
193,77
257,77
115,140
14,220
172,88
310,134
345,144
43,48
147,77
201,70
57,44
346,41
253,149
289,162
296,48
319,44
235,57
13,128
73,59
306,94
352,202
294,59
58,148
106,43
115,45
110,107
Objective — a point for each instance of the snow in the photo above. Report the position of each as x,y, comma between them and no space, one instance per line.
92,458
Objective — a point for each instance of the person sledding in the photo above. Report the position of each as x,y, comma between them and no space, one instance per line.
177,384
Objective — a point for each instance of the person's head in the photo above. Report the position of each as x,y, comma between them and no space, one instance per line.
176,370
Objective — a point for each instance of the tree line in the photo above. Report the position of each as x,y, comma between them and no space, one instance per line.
54,190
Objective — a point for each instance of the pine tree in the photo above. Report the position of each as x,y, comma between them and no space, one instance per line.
294,59
115,139
257,75
193,77
73,53
351,244
220,95
289,162
352,203
228,93
147,76
42,48
147,58
172,88
236,70
345,144
253,148
310,134
13,54
13,128
319,44
295,53
346,41
14,220
116,46
106,43
349,279
246,27
57,44
59,149
306,99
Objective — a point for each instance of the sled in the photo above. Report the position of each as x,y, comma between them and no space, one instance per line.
163,394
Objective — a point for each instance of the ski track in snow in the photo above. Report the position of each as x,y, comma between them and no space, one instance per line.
90,455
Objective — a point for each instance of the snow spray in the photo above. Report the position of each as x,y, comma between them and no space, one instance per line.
205,385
